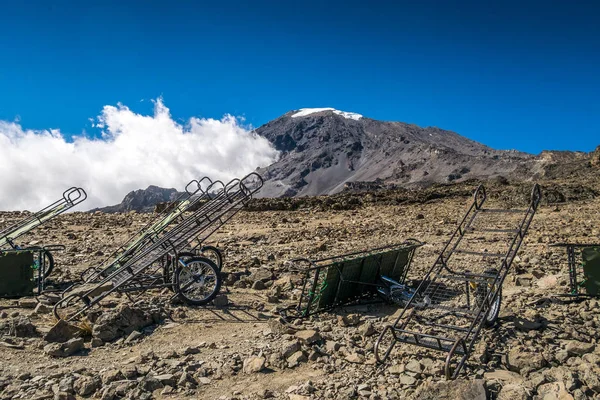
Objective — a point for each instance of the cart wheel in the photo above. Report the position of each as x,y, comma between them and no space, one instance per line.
481,293
48,263
169,266
213,254
197,280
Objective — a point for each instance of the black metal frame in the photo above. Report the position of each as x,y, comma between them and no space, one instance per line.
38,266
571,250
450,327
144,269
70,198
151,231
318,269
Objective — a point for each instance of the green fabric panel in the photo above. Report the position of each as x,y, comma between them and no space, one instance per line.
326,292
16,274
351,271
591,269
369,273
388,263
401,264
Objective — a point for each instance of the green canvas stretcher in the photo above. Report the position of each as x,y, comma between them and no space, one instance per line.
348,278
149,233
591,270
584,269
17,273
70,198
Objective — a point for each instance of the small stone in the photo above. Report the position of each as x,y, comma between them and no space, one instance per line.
332,347
166,379
220,300
253,364
204,380
525,325
28,303
414,366
259,285
86,385
191,350
96,343
355,358
367,329
397,369
41,309
296,358
111,375
513,391
133,336
290,349
349,320
579,348
519,358
62,332
459,389
407,380
308,336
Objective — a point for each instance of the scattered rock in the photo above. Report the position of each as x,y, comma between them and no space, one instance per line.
514,391
64,349
123,321
349,320
520,359
133,336
62,332
579,348
220,300
296,358
459,389
308,336
254,364
367,329
259,285
355,358
86,385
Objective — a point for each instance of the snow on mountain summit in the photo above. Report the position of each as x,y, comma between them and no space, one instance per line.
303,112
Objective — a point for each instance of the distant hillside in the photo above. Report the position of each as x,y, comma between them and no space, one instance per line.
143,200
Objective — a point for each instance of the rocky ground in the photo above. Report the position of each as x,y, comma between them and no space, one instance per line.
239,348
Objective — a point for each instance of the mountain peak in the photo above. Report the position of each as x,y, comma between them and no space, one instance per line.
303,112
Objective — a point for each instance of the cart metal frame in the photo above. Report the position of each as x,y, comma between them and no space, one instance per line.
192,195
38,267
573,251
144,270
70,198
452,304
335,281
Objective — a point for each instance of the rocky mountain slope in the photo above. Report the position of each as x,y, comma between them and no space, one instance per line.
142,200
324,151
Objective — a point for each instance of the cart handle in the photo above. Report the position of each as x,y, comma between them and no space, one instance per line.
74,195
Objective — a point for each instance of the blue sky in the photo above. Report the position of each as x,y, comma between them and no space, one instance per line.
510,74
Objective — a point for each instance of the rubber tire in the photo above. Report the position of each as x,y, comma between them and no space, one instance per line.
49,263
492,315
217,286
216,252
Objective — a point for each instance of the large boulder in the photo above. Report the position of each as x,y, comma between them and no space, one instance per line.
123,320
460,389
19,326
519,360
61,332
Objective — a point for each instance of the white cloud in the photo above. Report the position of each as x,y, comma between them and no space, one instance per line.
135,151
